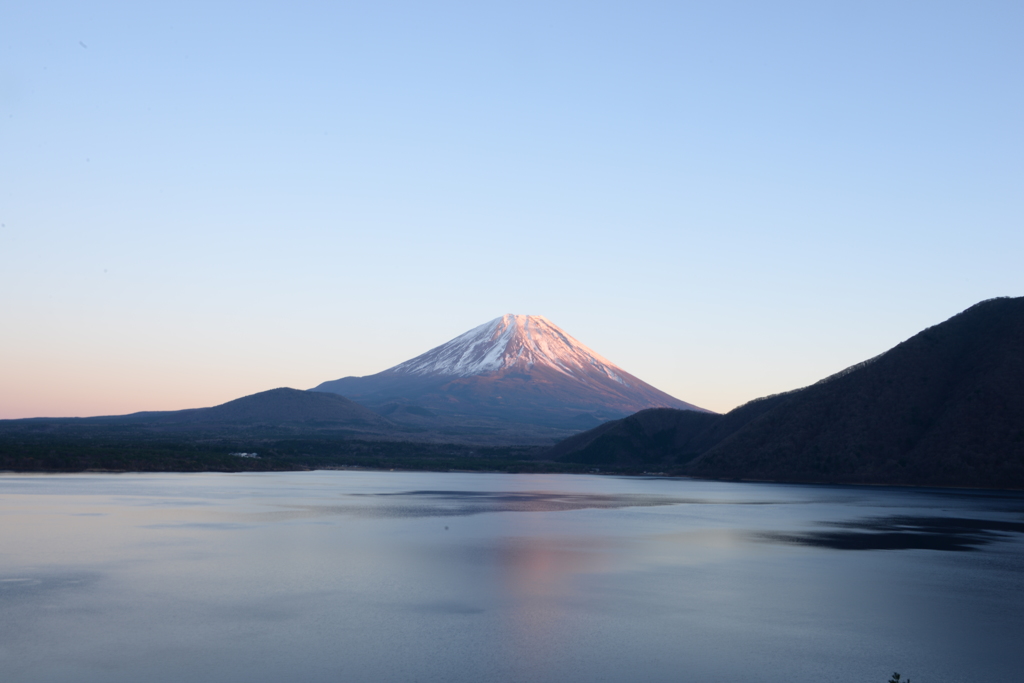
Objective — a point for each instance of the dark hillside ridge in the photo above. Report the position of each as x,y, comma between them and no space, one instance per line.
288,413
654,439
661,439
280,406
273,409
944,408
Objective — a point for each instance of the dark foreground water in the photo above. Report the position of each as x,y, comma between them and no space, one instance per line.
384,576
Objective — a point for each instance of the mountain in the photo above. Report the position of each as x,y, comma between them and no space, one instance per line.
660,439
654,439
516,369
276,409
280,429
944,408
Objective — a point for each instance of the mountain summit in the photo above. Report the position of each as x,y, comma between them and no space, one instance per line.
516,368
512,343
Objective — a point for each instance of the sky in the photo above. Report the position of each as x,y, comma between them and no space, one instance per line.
200,201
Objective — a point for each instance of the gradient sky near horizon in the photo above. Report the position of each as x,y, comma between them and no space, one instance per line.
199,201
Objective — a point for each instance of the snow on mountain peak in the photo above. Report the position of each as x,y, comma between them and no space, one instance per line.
508,342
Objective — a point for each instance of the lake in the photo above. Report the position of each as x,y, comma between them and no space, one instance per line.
459,577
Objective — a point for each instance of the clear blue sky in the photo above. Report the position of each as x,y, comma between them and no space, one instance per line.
727,199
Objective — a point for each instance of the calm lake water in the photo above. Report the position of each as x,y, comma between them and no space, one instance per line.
394,576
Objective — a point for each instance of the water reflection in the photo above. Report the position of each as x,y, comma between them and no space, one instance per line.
540,577
24,587
460,503
419,504
905,533
400,577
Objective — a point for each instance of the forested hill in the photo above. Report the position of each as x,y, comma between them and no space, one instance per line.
944,408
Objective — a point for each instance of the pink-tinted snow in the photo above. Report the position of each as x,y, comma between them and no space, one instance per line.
508,342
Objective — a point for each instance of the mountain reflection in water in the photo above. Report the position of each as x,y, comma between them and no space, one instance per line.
905,533
322,577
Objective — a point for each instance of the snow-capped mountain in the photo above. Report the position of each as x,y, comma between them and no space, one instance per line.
516,368
511,341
